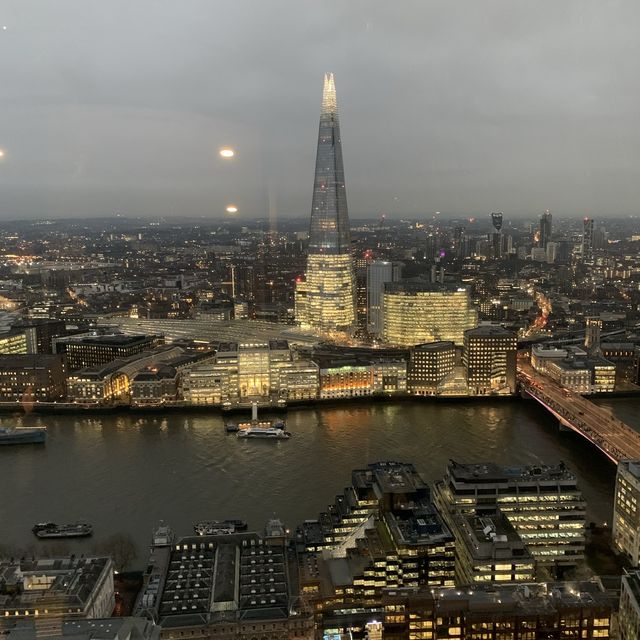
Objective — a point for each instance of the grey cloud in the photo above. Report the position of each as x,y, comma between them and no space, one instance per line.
460,107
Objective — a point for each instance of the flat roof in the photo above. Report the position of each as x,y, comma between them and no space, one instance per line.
490,331
116,340
479,471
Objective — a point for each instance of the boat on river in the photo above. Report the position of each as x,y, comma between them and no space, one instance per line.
263,430
53,530
219,527
22,435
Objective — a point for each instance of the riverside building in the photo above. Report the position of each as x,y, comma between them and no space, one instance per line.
111,383
383,531
91,351
224,587
56,588
429,364
629,611
531,611
243,372
489,358
40,378
416,312
490,550
626,511
326,300
543,504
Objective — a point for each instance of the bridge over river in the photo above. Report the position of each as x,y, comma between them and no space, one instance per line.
613,437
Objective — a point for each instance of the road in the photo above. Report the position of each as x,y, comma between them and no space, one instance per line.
612,436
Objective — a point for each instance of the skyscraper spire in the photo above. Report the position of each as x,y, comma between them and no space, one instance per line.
329,100
329,231
326,300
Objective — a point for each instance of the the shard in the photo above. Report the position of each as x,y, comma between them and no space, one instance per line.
325,301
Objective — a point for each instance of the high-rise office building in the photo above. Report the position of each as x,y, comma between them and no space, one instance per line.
526,611
382,532
429,364
361,265
629,611
379,272
545,229
418,312
626,511
587,239
496,236
325,301
460,243
544,504
489,357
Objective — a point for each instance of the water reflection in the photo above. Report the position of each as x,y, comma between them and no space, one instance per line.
124,472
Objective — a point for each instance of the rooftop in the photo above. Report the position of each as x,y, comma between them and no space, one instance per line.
418,285
530,598
492,537
434,346
225,577
113,340
88,629
162,372
492,331
214,331
489,471
35,361
52,582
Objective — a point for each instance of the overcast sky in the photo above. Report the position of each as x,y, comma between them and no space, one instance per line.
461,107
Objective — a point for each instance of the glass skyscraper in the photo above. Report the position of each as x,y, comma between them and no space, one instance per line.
545,229
325,301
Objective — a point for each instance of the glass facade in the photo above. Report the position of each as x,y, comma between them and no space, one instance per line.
417,313
326,300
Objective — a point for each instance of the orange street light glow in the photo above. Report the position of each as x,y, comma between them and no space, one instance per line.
226,152
232,208
1,153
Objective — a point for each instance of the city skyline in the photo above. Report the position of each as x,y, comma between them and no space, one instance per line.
419,422
440,115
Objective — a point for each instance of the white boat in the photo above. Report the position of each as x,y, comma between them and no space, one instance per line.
263,430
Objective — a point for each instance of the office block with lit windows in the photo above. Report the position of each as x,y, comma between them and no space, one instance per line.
40,378
429,364
383,531
626,514
489,358
415,312
543,503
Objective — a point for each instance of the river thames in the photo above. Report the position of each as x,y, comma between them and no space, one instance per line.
126,472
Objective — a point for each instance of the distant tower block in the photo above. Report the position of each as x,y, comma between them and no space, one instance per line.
593,327
496,236
546,220
587,239
326,300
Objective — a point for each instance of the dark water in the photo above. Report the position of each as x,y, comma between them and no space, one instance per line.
125,472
